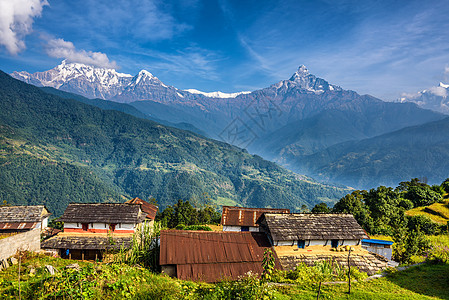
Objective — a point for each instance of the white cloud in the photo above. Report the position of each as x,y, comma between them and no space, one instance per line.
63,49
438,91
16,21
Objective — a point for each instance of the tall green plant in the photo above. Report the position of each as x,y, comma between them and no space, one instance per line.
144,250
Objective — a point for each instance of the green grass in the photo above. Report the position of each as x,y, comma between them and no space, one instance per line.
113,281
437,212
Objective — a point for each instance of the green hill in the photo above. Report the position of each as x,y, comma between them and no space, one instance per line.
55,150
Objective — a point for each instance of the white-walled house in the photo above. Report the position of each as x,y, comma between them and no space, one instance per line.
304,230
90,229
23,218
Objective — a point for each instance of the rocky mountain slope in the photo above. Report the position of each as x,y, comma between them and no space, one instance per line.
434,98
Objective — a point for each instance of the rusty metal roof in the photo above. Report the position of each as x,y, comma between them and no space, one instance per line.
24,213
245,216
103,213
213,256
146,207
291,227
18,226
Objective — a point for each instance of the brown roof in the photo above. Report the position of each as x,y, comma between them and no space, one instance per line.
18,226
20,214
103,213
291,227
213,256
86,242
245,216
146,207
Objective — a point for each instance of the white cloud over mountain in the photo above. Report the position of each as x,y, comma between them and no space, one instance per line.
16,21
60,48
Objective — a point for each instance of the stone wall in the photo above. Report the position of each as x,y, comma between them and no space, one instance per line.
30,240
369,262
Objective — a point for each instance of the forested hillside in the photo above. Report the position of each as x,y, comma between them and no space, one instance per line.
105,154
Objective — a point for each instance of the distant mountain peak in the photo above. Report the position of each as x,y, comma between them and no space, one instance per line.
444,85
304,80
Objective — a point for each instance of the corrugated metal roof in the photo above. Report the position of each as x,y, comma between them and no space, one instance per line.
18,226
103,213
291,227
245,216
213,256
380,242
146,207
24,213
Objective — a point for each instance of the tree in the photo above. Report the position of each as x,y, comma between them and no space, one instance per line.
422,195
353,204
321,208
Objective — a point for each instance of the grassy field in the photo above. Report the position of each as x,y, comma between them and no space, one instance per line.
109,281
437,212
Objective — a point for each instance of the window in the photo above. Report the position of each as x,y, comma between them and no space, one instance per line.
85,226
245,228
301,244
334,243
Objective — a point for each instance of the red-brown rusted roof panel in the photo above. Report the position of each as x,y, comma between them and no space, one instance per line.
245,216
17,226
149,209
217,272
210,256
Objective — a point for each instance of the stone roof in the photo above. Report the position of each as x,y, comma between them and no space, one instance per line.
20,214
245,216
103,213
86,242
291,227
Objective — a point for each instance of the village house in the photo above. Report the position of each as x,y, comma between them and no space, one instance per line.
90,229
307,238
23,218
380,247
236,218
211,256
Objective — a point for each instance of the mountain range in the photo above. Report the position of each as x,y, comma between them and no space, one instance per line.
55,150
434,98
292,122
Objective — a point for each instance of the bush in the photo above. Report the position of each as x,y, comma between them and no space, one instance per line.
422,223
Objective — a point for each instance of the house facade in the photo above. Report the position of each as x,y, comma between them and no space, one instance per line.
308,238
236,218
91,229
23,218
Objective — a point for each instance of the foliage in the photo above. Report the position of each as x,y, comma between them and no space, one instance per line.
422,223
56,224
268,264
144,250
193,227
407,244
184,214
321,208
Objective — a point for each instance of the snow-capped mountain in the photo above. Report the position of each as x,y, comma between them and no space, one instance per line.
103,83
217,94
79,78
302,79
435,98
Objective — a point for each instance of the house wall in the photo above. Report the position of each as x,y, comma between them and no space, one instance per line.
384,250
318,243
44,223
239,228
29,240
99,227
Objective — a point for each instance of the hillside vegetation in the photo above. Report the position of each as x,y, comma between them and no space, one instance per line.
437,212
47,140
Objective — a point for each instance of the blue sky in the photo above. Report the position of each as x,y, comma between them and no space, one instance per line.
382,48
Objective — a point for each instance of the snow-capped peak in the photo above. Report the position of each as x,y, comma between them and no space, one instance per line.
304,80
217,94
444,85
145,73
